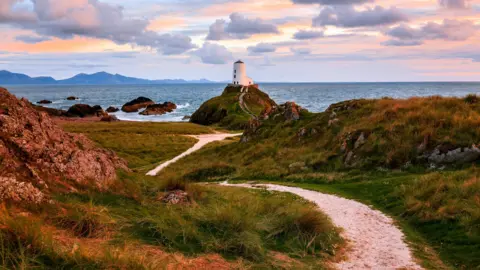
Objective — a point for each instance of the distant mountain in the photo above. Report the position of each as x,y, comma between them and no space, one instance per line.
100,78
7,77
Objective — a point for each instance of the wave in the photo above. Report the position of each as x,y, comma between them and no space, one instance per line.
183,106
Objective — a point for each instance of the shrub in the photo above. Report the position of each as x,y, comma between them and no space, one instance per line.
471,99
218,172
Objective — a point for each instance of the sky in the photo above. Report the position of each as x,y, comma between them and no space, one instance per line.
279,40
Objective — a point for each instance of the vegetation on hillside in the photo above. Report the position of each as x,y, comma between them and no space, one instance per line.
226,110
375,151
131,227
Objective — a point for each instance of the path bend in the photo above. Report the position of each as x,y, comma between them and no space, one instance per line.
202,141
374,240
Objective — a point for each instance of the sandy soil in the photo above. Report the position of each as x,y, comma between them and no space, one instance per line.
202,141
374,241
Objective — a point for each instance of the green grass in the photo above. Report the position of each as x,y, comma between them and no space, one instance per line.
231,221
244,226
225,110
143,145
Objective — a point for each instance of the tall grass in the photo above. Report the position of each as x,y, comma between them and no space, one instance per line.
446,197
246,223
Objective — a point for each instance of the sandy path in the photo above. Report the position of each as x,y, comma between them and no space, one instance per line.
202,141
374,241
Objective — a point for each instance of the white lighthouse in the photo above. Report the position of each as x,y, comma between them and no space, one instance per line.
240,74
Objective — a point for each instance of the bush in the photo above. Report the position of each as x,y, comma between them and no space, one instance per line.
217,172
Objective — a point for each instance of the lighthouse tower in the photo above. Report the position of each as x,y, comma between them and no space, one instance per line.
240,74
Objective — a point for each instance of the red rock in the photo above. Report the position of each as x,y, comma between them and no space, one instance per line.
34,148
137,104
159,109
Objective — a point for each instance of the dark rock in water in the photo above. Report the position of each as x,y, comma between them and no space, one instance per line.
109,118
137,104
35,150
84,110
112,109
44,101
51,111
72,98
159,109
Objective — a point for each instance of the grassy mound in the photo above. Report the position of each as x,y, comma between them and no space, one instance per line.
226,111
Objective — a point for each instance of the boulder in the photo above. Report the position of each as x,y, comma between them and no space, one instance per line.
250,130
137,104
51,111
176,197
109,118
35,150
84,110
44,101
159,109
72,98
460,155
291,111
112,109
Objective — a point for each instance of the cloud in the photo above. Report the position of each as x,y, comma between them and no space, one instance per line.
262,48
301,51
31,39
10,12
214,54
240,27
453,4
332,2
348,17
451,30
90,18
304,34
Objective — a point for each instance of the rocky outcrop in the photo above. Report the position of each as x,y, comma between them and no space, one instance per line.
159,109
137,104
109,118
291,111
175,197
460,155
112,109
19,192
51,111
251,130
72,98
84,110
34,149
44,101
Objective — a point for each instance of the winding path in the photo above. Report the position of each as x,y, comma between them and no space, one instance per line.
202,141
242,104
374,240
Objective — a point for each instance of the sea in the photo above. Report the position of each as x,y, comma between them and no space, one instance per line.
315,97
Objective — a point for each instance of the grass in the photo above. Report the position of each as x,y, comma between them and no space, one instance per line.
143,145
128,226
437,210
225,110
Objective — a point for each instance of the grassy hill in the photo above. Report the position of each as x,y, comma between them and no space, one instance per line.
414,159
226,110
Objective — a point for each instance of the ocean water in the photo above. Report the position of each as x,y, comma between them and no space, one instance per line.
316,97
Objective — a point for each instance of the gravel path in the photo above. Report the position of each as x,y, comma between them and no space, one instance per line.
374,241
202,141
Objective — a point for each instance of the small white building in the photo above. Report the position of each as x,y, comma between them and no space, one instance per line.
240,74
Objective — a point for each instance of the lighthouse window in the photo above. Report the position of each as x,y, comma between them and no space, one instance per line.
234,76
235,71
